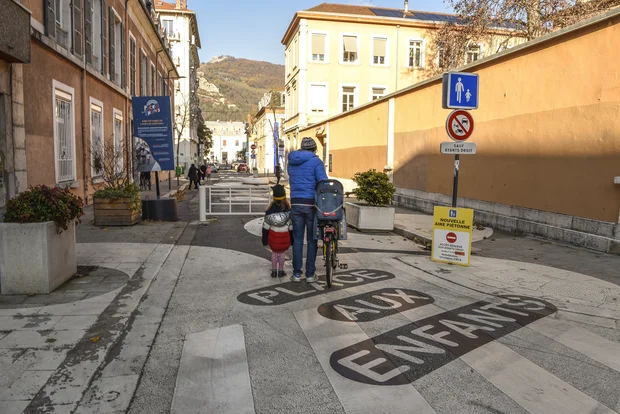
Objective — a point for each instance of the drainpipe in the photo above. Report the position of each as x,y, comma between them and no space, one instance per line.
128,134
84,130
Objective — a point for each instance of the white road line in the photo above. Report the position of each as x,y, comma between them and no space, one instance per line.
581,340
532,387
325,337
213,375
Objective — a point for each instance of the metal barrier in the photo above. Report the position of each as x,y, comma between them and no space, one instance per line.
240,200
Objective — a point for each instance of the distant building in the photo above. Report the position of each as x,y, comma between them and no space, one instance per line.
228,139
181,27
265,121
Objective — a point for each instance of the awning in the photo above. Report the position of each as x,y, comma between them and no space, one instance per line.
379,46
318,44
350,44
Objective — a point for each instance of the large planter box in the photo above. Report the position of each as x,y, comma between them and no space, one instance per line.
115,212
34,258
365,217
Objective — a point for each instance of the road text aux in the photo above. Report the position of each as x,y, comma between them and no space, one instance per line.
290,292
374,305
408,353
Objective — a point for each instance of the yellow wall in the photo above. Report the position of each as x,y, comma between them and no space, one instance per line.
547,130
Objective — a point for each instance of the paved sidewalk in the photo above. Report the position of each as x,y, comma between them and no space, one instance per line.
165,188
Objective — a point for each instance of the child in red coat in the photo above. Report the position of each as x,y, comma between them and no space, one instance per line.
278,230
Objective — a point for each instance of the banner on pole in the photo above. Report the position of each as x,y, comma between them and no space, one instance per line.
152,130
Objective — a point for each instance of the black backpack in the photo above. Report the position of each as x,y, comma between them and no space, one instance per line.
329,200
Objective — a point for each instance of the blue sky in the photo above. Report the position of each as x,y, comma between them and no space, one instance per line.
253,29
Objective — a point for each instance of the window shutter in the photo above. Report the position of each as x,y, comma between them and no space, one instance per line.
318,44
111,40
88,30
123,58
50,18
104,40
379,46
78,28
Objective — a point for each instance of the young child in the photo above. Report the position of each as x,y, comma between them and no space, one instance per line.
278,230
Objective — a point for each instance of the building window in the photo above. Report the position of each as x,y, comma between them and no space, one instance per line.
132,66
348,98
64,133
378,92
415,54
318,98
97,148
224,143
349,49
61,10
93,36
473,53
118,140
318,47
143,73
168,26
153,84
162,87
379,50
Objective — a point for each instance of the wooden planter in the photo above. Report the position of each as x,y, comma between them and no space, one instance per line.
115,212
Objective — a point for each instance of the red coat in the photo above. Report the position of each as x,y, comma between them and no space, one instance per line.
279,241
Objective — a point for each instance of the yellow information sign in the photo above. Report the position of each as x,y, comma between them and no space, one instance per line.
452,233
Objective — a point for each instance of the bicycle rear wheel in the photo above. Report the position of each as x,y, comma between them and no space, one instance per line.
328,262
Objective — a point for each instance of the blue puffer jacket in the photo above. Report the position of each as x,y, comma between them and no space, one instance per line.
305,169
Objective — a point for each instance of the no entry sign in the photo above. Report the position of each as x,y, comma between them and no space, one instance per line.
460,125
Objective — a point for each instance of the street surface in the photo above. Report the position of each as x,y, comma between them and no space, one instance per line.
184,318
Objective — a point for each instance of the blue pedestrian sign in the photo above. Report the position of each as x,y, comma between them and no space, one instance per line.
460,90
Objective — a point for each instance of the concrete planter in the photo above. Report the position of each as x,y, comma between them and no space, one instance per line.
34,258
365,217
115,212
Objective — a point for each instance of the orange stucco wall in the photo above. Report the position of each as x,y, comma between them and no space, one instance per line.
547,130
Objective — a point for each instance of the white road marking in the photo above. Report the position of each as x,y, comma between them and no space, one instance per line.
529,385
213,375
325,337
581,340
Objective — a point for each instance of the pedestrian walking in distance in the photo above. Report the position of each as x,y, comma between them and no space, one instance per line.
278,230
203,172
192,174
208,173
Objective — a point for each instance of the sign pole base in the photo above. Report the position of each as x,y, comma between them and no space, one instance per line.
455,187
157,183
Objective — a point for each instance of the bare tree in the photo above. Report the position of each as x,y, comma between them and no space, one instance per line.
108,165
498,22
182,119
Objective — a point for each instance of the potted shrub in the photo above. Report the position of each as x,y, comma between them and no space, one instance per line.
373,211
37,240
117,201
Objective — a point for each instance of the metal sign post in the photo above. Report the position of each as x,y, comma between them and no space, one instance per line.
459,126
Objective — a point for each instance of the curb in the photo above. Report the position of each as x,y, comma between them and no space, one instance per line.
422,239
173,192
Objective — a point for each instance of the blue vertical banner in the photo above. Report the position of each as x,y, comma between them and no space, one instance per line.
276,138
152,130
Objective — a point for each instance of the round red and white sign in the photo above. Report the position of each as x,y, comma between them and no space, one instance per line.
451,237
253,146
460,125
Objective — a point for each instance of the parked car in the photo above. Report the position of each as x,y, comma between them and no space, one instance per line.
242,167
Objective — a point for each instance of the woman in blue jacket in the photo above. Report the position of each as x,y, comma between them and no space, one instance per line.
305,169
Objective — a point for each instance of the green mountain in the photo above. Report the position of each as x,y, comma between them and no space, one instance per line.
230,88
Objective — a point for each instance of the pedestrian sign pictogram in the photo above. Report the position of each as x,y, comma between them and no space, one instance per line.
460,125
460,90
452,233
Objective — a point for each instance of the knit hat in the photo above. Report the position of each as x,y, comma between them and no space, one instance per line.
308,144
279,192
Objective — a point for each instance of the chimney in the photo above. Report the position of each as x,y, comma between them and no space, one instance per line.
184,4
406,6
178,6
